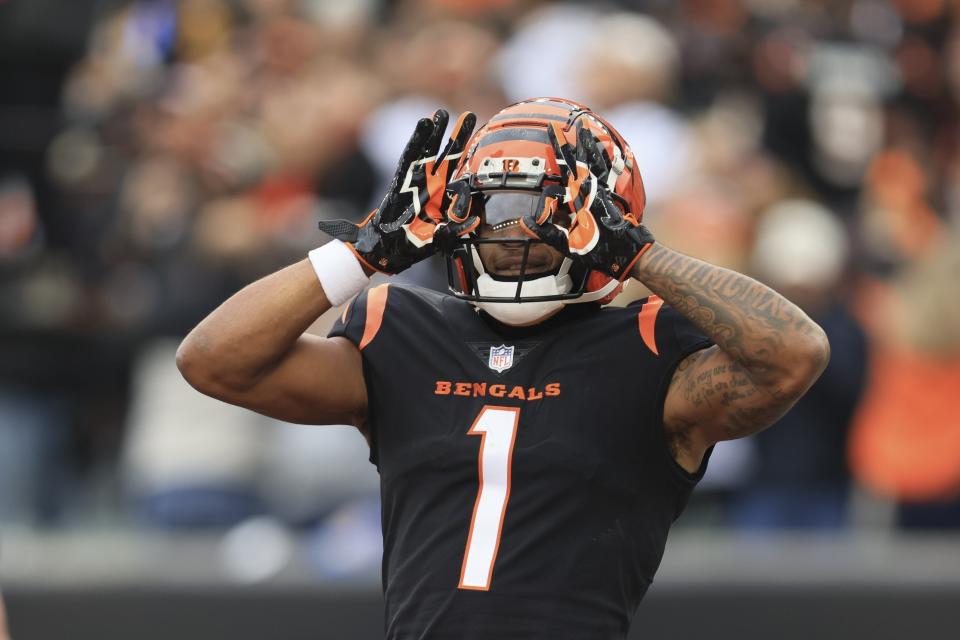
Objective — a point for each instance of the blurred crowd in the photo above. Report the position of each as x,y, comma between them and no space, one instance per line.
195,143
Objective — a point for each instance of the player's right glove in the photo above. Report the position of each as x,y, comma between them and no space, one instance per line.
601,235
399,233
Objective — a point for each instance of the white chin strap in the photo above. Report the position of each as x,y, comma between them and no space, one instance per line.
519,313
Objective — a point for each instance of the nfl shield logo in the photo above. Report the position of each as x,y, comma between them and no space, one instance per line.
501,358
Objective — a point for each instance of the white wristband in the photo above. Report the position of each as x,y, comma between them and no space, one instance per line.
339,271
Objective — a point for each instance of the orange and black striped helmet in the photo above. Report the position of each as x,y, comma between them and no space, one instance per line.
509,164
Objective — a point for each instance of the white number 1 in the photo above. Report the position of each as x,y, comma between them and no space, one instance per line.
497,427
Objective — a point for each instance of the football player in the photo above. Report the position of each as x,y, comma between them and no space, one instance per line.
533,446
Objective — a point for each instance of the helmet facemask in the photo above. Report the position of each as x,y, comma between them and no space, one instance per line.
521,261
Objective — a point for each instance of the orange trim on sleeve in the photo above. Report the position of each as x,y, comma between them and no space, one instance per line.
376,305
346,309
647,319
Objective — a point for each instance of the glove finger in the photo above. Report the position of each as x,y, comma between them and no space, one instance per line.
412,152
390,209
548,203
595,155
563,149
340,229
467,226
389,226
440,119
446,234
583,145
588,156
578,182
548,233
462,130
461,201
584,233
415,147
607,212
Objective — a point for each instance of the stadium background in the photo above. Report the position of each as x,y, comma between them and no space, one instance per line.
156,155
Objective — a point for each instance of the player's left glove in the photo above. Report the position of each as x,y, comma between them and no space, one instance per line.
399,233
601,235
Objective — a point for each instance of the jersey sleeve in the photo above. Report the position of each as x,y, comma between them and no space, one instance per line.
671,337
349,323
361,319
360,322
667,333
682,336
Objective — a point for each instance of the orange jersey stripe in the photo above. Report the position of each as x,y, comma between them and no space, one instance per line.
376,305
346,310
647,319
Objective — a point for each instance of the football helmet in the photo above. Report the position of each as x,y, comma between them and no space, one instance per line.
510,169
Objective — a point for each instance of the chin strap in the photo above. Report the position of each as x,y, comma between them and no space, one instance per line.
519,313
599,294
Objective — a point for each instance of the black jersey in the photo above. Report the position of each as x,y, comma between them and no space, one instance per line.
527,487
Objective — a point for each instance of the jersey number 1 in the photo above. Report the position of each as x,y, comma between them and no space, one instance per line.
497,428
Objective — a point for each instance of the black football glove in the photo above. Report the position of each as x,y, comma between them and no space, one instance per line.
601,236
399,233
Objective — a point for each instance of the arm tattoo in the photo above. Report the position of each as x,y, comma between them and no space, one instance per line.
746,319
765,337
712,385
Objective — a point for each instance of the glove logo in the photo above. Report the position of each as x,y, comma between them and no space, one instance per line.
501,358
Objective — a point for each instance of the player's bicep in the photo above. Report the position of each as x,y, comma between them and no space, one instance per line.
320,381
712,398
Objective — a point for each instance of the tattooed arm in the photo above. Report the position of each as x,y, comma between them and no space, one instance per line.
767,353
